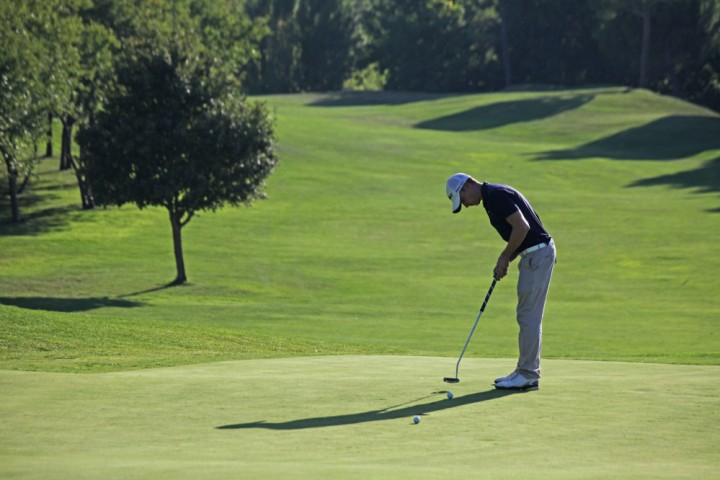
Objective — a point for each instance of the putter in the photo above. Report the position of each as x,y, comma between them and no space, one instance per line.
455,379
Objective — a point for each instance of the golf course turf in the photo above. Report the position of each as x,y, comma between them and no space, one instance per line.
351,417
317,323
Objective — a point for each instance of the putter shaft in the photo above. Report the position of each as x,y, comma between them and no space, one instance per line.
472,330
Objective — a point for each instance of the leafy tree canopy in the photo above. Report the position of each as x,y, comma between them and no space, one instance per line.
169,137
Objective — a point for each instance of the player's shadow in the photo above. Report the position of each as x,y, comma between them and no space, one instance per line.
389,413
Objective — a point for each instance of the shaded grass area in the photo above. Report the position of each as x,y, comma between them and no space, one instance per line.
499,114
667,138
704,179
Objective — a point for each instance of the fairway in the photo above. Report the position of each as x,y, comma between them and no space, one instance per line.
317,323
355,249
351,417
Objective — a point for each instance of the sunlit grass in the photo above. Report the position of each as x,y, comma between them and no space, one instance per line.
355,248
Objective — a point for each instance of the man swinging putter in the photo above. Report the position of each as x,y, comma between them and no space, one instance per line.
518,224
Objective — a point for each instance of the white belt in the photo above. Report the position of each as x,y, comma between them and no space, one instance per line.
533,249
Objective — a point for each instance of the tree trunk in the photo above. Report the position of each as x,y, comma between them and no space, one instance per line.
504,43
88,202
645,50
28,172
674,80
12,184
86,198
67,161
66,146
49,145
177,244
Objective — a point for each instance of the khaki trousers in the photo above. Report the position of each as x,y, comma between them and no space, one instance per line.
532,289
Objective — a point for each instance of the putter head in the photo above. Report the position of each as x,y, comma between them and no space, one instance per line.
451,380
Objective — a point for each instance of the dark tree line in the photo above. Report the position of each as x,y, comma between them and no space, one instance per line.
670,46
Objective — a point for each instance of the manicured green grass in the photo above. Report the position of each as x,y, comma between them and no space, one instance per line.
331,311
350,417
37,340
356,246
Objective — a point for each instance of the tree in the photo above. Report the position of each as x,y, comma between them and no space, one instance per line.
424,46
51,67
94,79
703,82
621,29
486,40
326,43
218,31
548,41
170,137
24,97
310,45
678,43
688,41
504,47
276,68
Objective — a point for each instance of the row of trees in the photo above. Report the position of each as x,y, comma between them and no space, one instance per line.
156,90
671,46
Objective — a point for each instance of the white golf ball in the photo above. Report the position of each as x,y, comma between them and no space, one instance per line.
450,395
416,419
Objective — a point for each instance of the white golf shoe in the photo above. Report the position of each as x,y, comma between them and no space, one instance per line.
516,381
505,378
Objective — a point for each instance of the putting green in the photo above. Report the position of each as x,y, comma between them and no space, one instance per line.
351,417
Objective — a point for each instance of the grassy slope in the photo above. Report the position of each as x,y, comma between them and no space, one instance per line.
355,250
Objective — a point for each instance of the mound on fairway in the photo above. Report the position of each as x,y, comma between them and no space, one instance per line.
351,417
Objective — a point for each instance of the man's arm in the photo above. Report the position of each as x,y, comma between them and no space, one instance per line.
520,228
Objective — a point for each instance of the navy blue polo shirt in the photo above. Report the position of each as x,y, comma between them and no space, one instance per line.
501,201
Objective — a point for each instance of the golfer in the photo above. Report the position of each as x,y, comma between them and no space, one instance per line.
518,224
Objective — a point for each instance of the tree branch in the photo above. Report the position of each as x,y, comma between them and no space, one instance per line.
187,219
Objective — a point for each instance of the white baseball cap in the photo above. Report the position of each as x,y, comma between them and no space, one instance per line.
453,187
